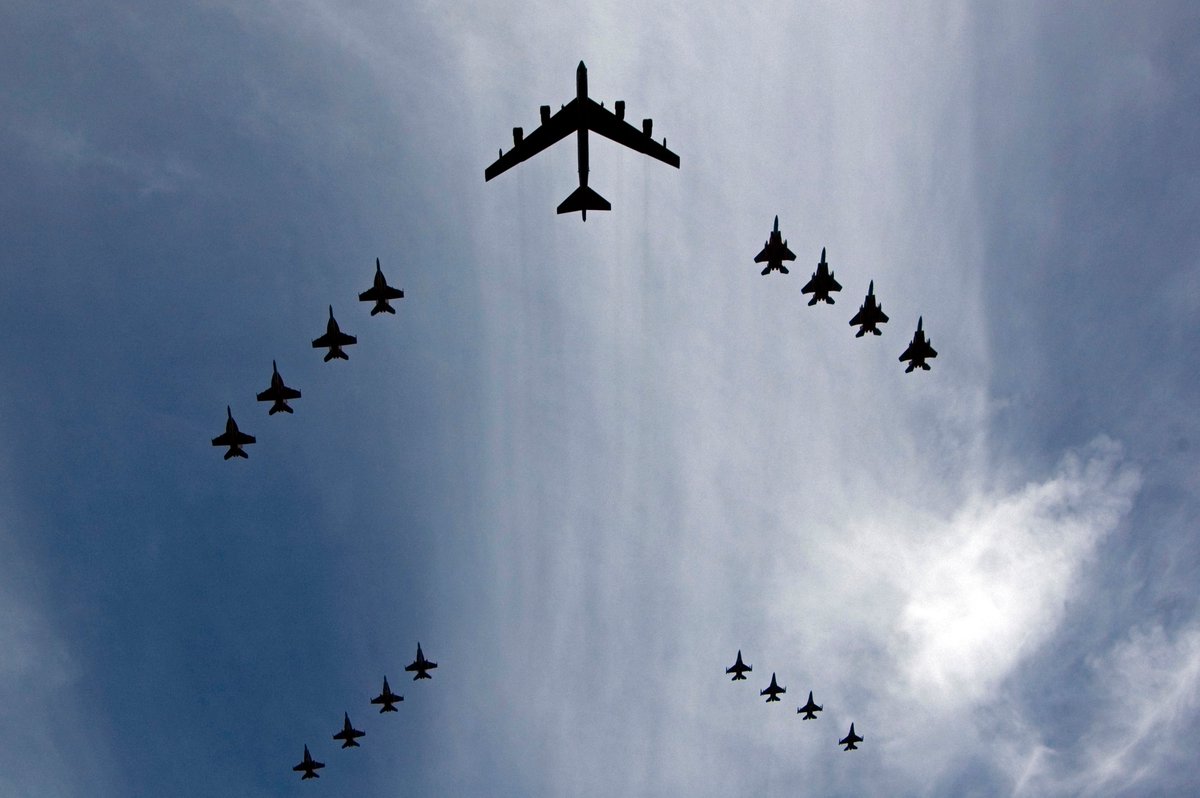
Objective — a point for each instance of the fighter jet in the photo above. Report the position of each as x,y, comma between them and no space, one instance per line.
308,767
387,698
380,293
810,709
278,393
918,350
234,438
738,669
822,283
850,739
348,734
335,339
869,314
775,251
421,666
579,116
773,690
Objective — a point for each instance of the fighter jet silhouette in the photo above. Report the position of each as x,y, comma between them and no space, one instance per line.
850,739
234,438
773,690
308,767
387,698
869,314
421,666
774,252
335,339
278,393
581,115
918,350
348,734
810,709
380,292
822,283
738,669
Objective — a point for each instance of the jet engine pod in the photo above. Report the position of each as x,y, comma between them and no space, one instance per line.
619,107
647,126
545,109
518,134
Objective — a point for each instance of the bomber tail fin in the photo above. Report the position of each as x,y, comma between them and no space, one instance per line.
584,199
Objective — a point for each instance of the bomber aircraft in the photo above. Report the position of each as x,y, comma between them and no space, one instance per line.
869,315
348,734
738,669
278,393
387,698
773,690
380,292
774,252
335,339
234,438
421,666
822,284
810,709
919,350
308,767
580,115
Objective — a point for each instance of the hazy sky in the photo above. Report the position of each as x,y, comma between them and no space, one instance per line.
586,463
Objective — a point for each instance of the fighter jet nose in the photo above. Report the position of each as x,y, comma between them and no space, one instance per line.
581,66
776,224
377,266
229,412
920,321
871,287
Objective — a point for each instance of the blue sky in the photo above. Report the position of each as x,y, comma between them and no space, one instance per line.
586,463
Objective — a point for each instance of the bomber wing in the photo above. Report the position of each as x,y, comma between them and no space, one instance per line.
607,124
553,130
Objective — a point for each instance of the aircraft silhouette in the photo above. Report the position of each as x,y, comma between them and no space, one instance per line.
421,666
234,438
278,393
380,292
308,767
774,252
579,116
738,669
918,350
850,739
348,734
869,314
772,692
335,339
810,709
822,283
387,698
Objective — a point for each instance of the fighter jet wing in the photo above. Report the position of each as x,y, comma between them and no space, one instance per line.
606,123
285,393
859,317
232,438
550,132
334,339
374,294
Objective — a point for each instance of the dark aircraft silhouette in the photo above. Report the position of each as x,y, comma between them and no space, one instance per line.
775,251
772,692
380,293
869,314
822,283
738,669
278,393
387,698
348,734
918,350
421,666
810,709
579,116
850,739
335,339
234,438
308,767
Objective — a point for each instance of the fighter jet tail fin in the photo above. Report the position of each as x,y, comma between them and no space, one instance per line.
583,199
